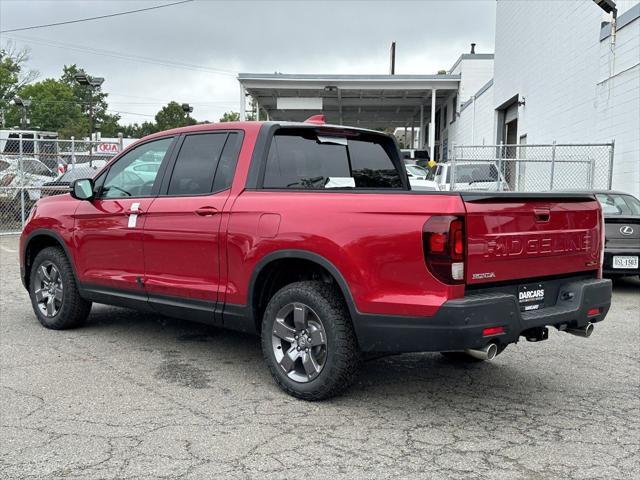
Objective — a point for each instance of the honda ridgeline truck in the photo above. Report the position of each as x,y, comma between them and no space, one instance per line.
310,236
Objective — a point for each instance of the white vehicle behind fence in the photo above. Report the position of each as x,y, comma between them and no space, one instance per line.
418,178
22,180
477,175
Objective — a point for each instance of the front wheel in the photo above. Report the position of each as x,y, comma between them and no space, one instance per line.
54,293
308,341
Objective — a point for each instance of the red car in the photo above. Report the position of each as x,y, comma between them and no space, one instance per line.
310,236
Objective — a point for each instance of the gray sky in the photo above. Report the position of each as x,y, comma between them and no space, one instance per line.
239,36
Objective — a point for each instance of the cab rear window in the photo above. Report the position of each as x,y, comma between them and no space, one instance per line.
308,159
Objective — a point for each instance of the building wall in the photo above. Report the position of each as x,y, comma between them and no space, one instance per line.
474,73
548,53
576,86
476,127
617,103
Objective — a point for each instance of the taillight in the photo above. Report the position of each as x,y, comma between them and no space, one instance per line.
602,240
7,179
443,243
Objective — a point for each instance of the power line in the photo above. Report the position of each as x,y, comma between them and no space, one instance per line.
95,18
131,113
123,56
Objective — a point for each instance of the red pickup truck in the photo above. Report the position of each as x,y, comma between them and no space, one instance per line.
310,236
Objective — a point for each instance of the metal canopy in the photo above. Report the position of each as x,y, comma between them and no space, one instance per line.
371,101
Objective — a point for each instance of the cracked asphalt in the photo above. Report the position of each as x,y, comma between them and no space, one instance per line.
145,397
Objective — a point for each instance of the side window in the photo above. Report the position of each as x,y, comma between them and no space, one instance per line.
228,160
196,164
438,175
308,160
126,179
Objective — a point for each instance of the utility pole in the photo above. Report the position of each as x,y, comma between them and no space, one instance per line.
94,84
23,104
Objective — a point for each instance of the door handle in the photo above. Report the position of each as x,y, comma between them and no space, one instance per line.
206,211
542,214
134,209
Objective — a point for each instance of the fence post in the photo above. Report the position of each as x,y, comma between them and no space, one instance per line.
21,170
500,154
453,168
611,149
120,142
553,162
592,172
73,152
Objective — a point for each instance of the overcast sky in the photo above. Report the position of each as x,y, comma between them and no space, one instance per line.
228,37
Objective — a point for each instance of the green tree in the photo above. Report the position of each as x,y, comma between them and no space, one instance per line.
89,99
138,131
53,108
110,125
12,76
230,117
172,116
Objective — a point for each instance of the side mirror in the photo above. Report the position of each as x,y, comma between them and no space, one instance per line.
82,189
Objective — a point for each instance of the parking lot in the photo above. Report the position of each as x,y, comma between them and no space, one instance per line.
141,396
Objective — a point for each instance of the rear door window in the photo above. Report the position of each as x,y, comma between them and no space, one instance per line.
227,164
304,159
196,164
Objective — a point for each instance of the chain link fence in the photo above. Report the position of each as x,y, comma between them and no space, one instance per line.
38,164
531,168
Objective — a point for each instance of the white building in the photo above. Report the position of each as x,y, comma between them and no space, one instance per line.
558,75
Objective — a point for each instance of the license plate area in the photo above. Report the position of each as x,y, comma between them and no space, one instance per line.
531,296
626,262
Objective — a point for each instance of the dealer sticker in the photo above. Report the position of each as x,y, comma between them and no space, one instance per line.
531,297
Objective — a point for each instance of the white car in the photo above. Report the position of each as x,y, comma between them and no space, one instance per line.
22,177
480,175
418,178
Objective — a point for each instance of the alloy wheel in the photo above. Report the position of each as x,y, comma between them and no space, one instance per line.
299,342
48,289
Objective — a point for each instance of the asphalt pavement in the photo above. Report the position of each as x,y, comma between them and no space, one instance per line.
141,396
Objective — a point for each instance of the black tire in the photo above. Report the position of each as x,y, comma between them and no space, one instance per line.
342,356
463,357
73,309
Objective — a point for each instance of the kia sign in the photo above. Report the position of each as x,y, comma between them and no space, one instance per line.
107,148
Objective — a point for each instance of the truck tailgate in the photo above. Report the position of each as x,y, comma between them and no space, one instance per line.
511,236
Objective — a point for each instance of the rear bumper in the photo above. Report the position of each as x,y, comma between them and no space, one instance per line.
459,323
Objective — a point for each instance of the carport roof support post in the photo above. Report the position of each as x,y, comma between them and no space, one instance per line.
242,104
432,125
421,133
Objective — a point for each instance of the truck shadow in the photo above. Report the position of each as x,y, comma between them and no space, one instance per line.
195,355
626,285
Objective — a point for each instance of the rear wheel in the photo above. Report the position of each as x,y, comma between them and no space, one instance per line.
54,293
308,341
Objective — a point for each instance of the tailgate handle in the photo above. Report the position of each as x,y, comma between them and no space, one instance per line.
542,214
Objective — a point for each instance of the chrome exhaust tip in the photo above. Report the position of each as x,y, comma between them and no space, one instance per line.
584,332
486,353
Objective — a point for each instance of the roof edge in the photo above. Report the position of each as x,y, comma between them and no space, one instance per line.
472,56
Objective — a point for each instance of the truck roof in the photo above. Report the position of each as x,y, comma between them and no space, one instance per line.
253,125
